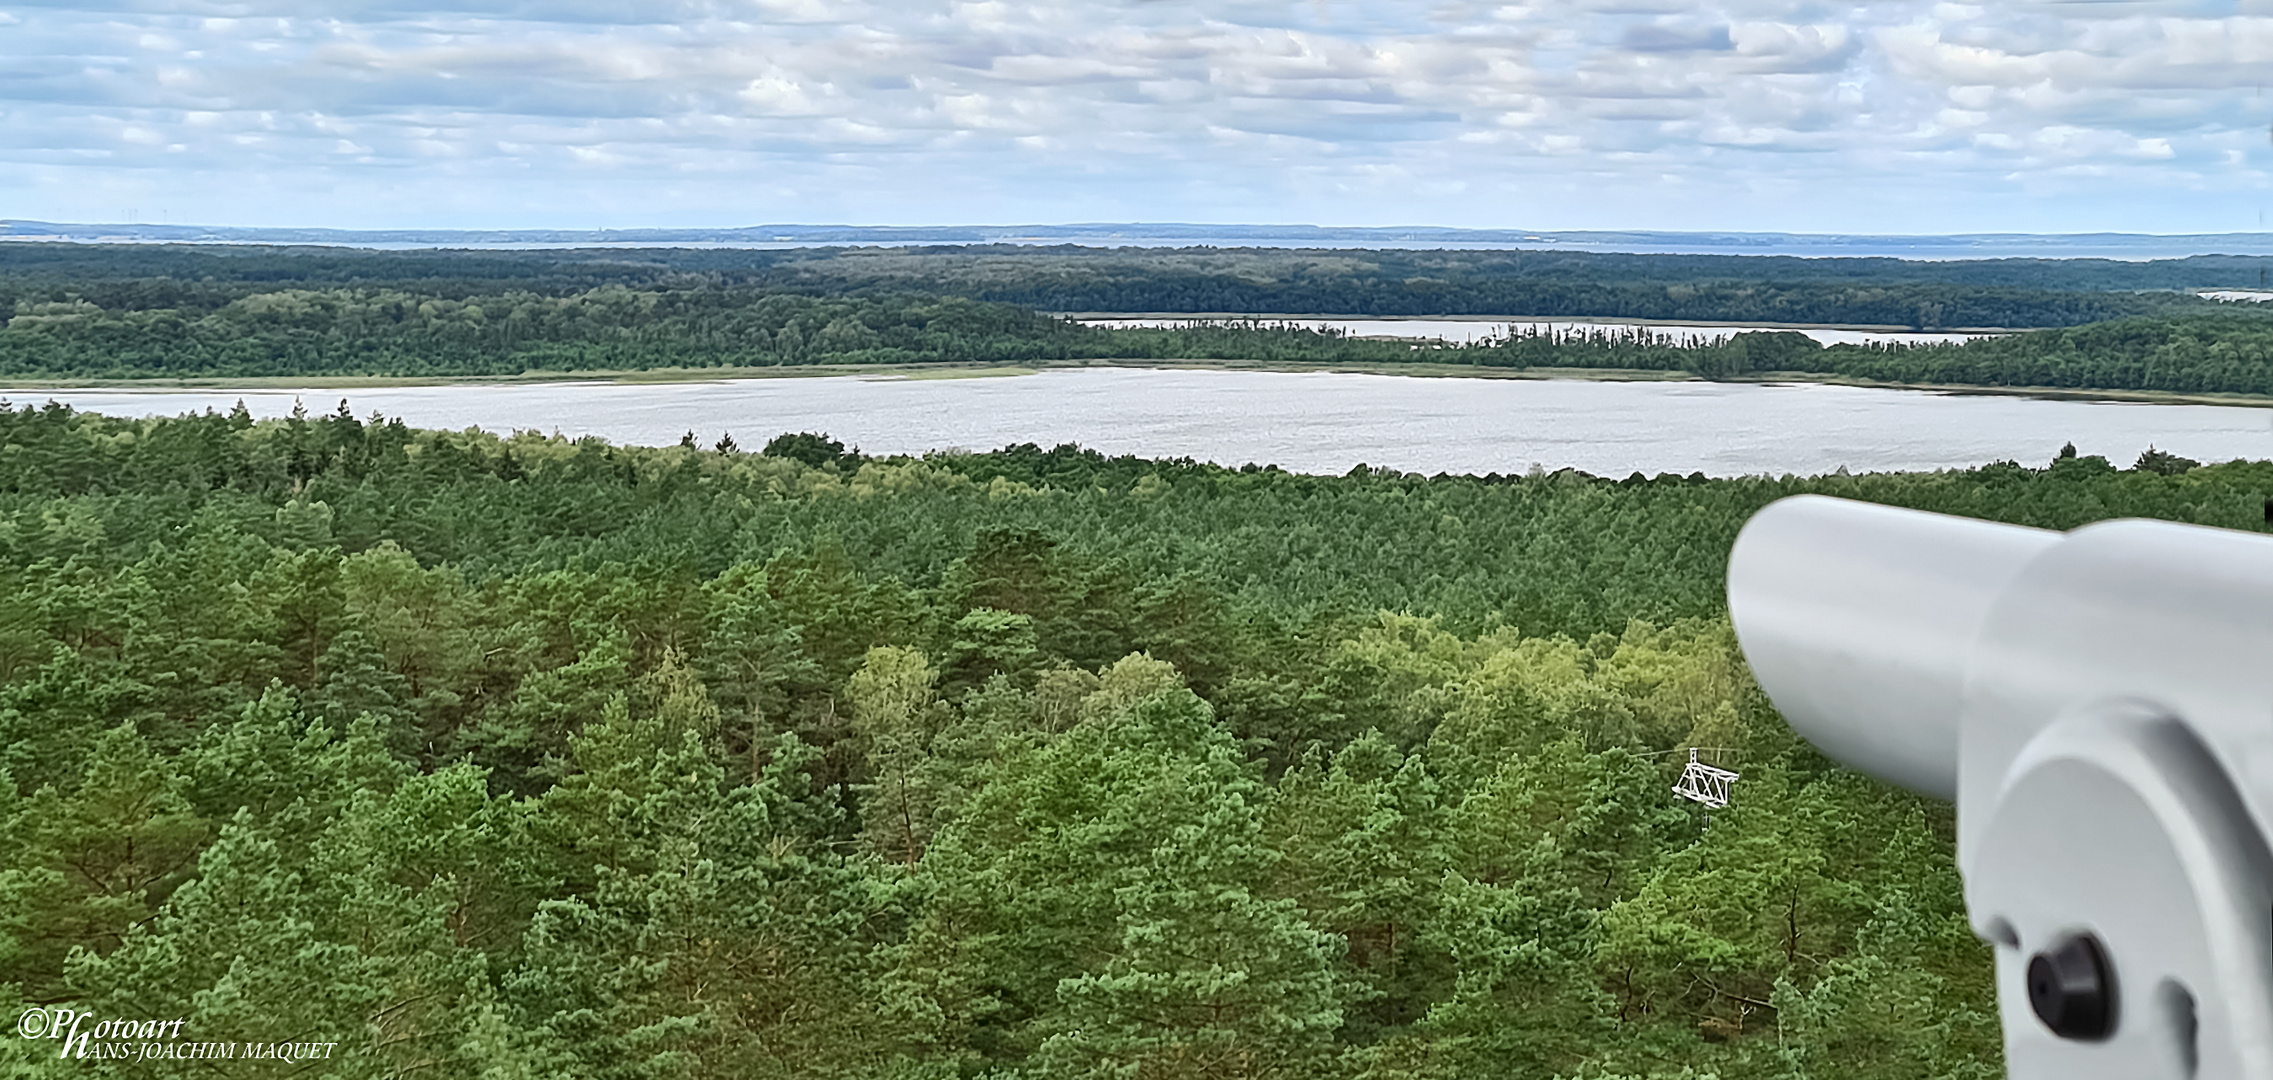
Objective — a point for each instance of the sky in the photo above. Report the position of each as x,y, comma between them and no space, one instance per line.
1768,115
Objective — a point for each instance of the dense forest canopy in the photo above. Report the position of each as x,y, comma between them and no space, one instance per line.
1894,292
165,328
536,757
78,312
199,279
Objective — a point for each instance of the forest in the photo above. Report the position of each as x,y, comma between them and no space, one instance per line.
188,312
167,329
533,757
199,280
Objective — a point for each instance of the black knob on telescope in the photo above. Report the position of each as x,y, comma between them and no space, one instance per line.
2072,989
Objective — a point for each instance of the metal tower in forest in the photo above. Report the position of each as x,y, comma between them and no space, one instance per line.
1703,783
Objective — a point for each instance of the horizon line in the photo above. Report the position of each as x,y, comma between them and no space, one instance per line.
9,224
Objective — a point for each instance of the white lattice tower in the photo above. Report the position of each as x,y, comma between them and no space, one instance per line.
1703,783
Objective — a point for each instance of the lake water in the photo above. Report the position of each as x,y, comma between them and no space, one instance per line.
1308,422
1461,331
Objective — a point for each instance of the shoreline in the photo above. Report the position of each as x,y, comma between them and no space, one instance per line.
928,372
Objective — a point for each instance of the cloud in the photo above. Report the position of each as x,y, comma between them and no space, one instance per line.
1660,37
1904,115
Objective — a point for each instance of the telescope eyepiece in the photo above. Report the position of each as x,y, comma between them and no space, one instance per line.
2072,989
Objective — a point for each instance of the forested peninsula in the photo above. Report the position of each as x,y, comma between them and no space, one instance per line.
80,313
541,757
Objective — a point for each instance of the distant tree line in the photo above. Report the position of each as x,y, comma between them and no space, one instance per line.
392,332
2015,293
2228,353
969,265
159,329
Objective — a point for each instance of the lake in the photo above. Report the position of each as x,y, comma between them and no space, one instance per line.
1316,422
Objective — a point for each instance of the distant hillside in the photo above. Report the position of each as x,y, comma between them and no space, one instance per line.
1114,234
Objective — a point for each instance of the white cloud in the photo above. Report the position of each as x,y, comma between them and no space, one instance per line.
1807,114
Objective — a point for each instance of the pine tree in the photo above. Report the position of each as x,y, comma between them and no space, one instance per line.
1094,913
95,860
896,715
701,937
365,924
753,658
1363,852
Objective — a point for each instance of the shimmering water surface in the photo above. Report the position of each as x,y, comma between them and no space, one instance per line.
1308,422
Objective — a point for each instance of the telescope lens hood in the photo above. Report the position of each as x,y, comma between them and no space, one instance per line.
2072,990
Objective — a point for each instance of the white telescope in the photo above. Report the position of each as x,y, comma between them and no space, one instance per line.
2100,705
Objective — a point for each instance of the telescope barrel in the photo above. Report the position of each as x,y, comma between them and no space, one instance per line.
1858,620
